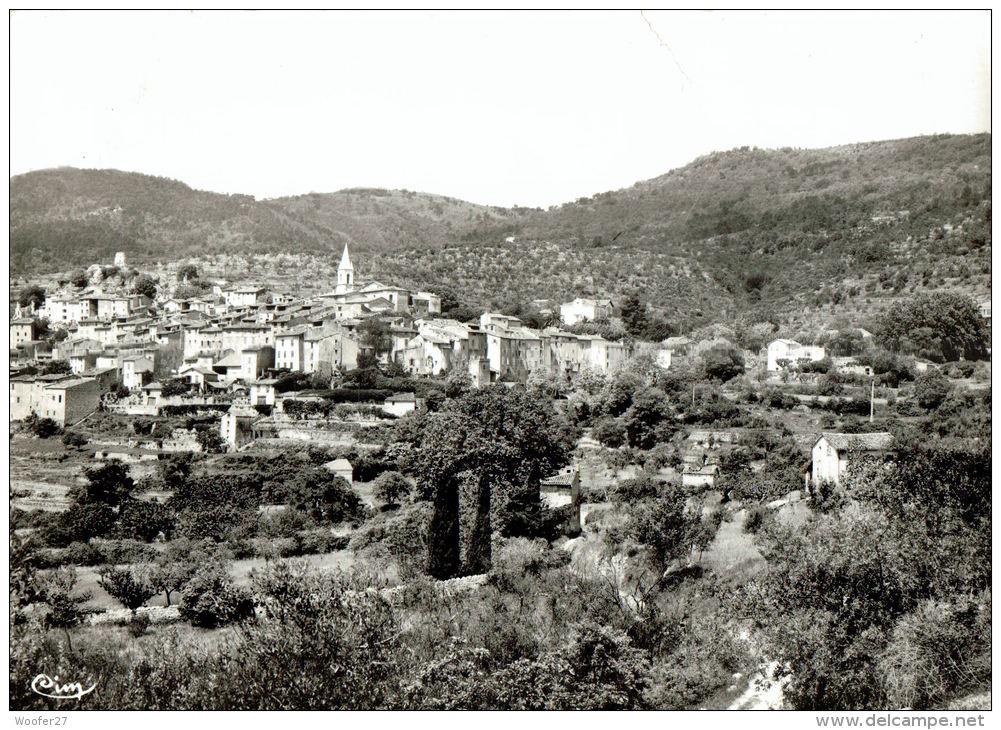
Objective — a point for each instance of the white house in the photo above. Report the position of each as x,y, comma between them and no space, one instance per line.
400,404
235,425
262,392
341,468
786,353
136,371
585,310
663,358
832,452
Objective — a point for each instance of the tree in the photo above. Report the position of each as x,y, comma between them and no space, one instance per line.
211,599
65,610
79,523
457,383
375,336
664,528
43,428
633,313
649,409
178,386
145,285
178,563
32,295
187,272
107,484
210,440
391,487
609,432
942,327
722,363
131,586
143,520
498,443
931,388
175,469
80,279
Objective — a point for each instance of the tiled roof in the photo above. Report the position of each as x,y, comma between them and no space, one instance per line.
859,441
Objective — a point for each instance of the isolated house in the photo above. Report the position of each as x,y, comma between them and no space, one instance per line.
789,353
833,451
341,468
561,490
585,310
68,401
235,427
400,404
262,392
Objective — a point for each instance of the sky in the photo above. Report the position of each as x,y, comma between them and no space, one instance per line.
500,108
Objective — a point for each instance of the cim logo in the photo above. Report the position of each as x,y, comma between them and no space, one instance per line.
51,687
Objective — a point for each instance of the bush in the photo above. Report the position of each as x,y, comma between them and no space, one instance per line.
755,519
635,490
127,552
74,439
937,650
931,389
43,428
139,625
211,599
391,487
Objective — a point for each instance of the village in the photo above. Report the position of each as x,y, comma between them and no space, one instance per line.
261,363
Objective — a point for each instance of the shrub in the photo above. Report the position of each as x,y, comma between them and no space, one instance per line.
139,625
74,439
42,427
755,519
130,586
931,389
634,490
391,487
936,650
127,552
211,599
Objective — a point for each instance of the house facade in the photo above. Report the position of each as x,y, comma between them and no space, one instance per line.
832,453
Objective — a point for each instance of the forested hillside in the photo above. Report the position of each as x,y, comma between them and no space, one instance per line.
762,230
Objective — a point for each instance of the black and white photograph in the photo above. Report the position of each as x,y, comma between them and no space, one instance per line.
500,360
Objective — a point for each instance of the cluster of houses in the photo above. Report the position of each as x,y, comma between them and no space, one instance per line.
233,339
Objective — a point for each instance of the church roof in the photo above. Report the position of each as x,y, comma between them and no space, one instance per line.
345,260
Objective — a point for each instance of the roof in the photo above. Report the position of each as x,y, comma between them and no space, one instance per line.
339,465
563,479
858,441
402,398
71,383
297,331
232,360
345,260
22,320
241,411
153,386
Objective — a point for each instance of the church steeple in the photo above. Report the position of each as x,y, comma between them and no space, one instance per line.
345,273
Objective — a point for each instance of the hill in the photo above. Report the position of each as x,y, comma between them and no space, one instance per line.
69,217
752,232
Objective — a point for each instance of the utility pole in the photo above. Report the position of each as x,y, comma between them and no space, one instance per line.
872,398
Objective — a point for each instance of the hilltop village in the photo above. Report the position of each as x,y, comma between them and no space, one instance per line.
132,353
